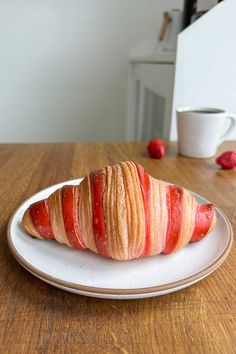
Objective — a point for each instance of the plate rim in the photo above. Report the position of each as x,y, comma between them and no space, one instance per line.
116,291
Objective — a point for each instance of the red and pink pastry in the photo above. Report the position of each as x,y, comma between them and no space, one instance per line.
121,212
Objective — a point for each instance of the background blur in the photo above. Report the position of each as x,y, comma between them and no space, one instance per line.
63,66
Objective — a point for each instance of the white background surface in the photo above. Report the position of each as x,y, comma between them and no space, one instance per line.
206,63
63,65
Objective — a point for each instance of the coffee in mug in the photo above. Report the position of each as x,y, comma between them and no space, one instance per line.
202,130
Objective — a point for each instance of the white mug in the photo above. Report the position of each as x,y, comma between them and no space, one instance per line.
201,130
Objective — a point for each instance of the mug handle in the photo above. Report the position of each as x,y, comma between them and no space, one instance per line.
232,118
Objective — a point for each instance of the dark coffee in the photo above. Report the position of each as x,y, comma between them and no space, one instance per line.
205,111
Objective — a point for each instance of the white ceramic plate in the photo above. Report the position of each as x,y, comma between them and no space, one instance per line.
83,272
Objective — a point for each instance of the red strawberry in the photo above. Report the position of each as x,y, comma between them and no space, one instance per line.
156,148
227,160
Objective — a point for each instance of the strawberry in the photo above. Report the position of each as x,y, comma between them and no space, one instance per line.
156,148
227,160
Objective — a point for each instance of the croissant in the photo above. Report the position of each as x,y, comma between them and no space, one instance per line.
121,212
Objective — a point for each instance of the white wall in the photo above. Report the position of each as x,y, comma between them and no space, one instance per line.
63,66
206,63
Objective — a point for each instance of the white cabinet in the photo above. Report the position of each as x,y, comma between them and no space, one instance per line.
150,91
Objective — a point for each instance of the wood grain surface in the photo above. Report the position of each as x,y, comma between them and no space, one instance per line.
38,318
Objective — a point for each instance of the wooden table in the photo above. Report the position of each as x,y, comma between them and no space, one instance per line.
38,318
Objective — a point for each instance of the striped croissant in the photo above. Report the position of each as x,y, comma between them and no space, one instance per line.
121,212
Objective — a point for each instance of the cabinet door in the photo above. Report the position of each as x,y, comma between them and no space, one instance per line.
149,100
